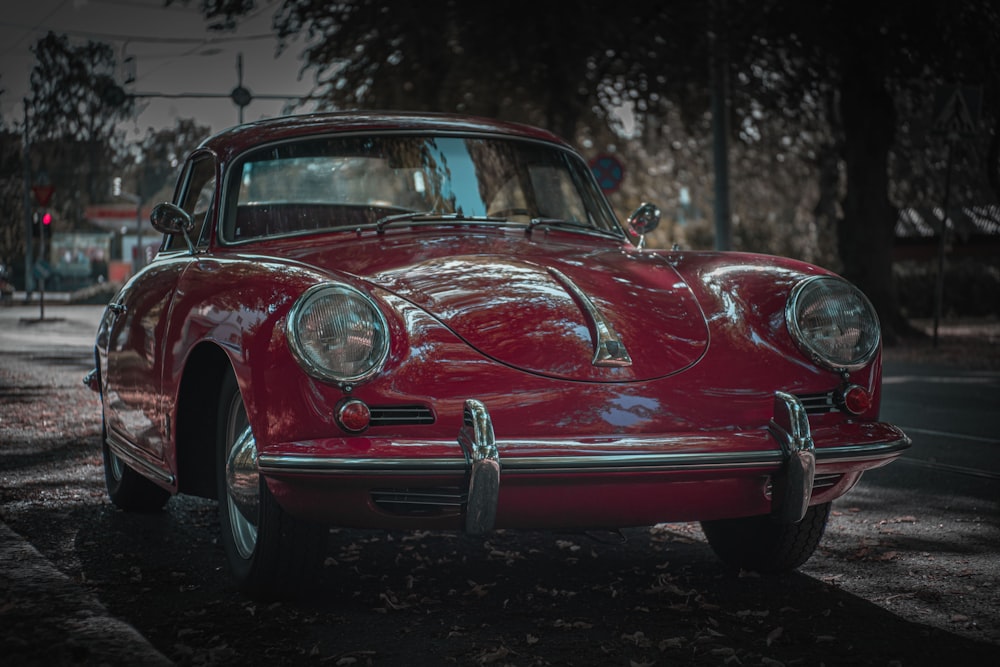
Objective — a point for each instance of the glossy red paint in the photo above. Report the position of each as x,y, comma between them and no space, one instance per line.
498,313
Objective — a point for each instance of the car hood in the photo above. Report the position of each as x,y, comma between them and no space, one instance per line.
593,314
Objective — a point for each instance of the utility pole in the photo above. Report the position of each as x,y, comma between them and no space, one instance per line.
240,95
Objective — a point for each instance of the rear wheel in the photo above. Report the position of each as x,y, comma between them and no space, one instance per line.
270,553
128,489
763,545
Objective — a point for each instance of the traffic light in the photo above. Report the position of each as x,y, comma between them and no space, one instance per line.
43,225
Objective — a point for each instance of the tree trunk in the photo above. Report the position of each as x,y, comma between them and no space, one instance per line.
865,235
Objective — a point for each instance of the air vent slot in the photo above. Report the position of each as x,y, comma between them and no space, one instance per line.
818,404
401,415
421,501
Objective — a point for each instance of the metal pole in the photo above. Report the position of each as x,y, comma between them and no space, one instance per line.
939,286
140,258
29,251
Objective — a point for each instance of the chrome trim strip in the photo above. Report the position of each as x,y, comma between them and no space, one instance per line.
587,463
144,467
863,452
322,464
661,461
608,347
590,463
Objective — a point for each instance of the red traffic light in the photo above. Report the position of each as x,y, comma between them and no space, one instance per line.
46,218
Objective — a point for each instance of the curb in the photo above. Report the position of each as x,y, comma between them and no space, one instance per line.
47,619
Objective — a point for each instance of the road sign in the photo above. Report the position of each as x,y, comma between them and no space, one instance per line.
43,270
608,171
956,110
43,194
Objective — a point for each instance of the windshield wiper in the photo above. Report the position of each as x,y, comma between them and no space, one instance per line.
432,216
568,224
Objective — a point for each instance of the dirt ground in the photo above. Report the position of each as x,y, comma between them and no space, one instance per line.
885,588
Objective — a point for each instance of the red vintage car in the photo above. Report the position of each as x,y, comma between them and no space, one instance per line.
426,321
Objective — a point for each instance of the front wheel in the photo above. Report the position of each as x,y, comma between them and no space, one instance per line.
270,553
763,545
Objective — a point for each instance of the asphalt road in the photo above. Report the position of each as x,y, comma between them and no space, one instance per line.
918,539
953,417
921,537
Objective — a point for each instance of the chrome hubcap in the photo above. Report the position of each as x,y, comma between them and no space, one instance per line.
242,481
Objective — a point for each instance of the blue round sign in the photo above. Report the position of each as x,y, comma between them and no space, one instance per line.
608,171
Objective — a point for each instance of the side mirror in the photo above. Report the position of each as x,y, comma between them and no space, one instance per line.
171,219
643,220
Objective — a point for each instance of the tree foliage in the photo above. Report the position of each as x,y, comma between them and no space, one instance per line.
864,59
433,55
160,156
11,197
828,99
73,90
74,111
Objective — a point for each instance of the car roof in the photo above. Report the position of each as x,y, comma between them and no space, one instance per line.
239,138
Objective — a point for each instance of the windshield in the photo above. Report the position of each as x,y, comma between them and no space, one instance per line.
353,182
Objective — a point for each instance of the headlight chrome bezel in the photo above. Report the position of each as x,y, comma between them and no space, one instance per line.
359,304
810,294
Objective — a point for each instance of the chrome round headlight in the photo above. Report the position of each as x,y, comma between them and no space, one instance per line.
833,322
337,333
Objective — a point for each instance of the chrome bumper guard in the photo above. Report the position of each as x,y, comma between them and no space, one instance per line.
792,485
479,445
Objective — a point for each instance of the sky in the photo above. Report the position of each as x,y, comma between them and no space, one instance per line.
174,53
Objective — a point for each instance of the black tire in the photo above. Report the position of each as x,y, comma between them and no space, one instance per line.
128,489
761,544
271,554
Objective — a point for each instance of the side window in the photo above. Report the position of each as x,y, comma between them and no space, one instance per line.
196,199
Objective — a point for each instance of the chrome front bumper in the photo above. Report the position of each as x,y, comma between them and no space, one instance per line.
791,465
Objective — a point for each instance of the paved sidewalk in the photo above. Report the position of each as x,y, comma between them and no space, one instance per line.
38,603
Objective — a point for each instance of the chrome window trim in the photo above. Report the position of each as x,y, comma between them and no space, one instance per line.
119,446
